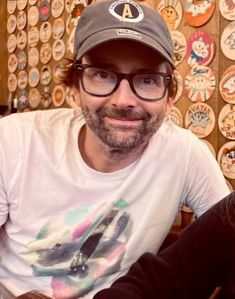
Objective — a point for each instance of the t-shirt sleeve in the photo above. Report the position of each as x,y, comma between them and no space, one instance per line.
205,183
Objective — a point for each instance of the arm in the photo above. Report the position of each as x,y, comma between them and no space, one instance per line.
190,268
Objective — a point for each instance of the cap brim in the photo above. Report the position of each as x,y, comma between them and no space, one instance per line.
111,34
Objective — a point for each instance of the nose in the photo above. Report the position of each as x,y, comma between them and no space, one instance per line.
124,96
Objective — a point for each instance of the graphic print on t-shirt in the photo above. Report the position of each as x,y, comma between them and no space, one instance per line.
81,247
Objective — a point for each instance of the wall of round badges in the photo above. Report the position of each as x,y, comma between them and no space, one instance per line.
40,33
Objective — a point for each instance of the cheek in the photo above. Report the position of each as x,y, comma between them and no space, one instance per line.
158,108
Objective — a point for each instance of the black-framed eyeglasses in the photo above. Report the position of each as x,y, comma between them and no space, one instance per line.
101,82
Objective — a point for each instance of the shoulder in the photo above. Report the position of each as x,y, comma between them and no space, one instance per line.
41,118
173,134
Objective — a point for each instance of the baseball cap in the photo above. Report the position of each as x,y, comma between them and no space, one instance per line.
122,19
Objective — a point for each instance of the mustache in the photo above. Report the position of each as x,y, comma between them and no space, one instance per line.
123,113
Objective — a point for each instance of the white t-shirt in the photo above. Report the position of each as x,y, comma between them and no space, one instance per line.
70,230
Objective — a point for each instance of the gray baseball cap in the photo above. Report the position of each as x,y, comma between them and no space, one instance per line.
122,19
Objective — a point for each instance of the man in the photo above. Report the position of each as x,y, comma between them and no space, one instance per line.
83,195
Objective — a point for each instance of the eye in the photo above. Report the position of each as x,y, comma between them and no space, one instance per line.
149,79
101,73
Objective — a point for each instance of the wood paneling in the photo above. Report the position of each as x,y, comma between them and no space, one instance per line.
3,53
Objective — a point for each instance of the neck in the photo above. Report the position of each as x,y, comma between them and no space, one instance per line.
103,159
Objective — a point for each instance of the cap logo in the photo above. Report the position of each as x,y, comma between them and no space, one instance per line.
126,10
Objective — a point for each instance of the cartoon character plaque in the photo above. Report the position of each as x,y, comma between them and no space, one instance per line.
200,48
200,119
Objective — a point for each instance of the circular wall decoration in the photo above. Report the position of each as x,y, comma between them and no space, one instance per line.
21,39
227,41
11,6
12,63
171,12
21,20
198,13
33,57
180,86
227,85
179,46
44,10
34,98
226,121
57,8
227,9
11,43
58,96
12,82
200,48
226,159
11,24
58,28
22,79
33,15
21,4
33,36
200,119
175,117
199,84
45,53
45,32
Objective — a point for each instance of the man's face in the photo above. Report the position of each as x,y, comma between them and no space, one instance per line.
122,121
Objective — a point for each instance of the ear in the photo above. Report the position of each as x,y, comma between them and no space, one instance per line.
169,105
76,95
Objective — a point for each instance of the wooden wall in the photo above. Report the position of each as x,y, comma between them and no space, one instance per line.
3,54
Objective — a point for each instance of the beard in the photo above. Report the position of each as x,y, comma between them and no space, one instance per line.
122,138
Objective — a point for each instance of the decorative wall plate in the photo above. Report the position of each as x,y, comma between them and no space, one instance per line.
227,9
33,36
57,8
58,28
21,4
179,46
58,49
22,59
197,13
44,10
21,20
33,57
12,63
180,85
45,53
172,12
33,15
200,48
45,32
34,77
58,96
11,6
21,39
226,159
46,75
34,98
199,84
226,121
22,79
11,43
11,24
200,119
227,85
227,41
12,82
175,117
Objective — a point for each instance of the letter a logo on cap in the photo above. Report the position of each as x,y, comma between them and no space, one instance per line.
126,10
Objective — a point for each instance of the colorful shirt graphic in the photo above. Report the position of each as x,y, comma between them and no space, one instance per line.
90,246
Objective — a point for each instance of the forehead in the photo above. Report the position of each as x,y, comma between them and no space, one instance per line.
127,53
